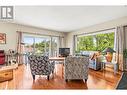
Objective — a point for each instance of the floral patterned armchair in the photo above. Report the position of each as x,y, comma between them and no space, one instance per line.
76,67
40,65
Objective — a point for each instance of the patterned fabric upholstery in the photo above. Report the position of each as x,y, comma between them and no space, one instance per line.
40,65
76,67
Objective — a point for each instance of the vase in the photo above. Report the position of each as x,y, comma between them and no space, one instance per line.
109,57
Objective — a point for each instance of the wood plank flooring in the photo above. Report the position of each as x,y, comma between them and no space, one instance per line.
96,80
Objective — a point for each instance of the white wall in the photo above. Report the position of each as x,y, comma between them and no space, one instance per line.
101,26
10,30
11,36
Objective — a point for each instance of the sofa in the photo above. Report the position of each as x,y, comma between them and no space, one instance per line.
40,65
94,64
76,67
2,57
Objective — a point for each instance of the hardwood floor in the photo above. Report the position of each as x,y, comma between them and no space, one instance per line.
96,80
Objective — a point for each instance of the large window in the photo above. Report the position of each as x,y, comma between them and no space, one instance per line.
42,45
46,45
29,44
94,42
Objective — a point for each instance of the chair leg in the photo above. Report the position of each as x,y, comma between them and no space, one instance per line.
85,80
66,80
48,77
52,72
33,77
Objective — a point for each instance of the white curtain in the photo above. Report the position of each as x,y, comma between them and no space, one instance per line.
61,43
19,47
120,46
74,43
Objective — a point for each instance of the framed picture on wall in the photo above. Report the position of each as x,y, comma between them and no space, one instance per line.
2,38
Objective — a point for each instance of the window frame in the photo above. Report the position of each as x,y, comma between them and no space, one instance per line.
43,36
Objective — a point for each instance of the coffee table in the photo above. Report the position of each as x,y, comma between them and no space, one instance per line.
56,58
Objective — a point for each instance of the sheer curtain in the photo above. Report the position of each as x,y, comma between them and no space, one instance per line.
19,47
120,42
74,43
54,48
60,43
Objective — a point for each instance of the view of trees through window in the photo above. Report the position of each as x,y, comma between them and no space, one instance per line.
95,42
41,45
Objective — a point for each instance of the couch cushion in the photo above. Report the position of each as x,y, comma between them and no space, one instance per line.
2,55
1,51
87,53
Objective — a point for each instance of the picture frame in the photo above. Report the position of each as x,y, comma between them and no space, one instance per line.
2,38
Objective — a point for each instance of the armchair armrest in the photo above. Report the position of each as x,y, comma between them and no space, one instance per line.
95,64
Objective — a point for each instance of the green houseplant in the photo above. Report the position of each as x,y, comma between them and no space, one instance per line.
125,56
77,53
125,53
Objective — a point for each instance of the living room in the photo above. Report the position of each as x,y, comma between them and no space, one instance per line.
65,35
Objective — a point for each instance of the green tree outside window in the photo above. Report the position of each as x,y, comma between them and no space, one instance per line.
95,42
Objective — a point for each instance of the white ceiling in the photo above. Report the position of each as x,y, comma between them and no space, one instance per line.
66,18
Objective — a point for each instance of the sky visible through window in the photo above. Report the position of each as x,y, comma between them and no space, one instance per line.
30,40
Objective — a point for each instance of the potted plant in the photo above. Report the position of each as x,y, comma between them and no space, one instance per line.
125,53
125,56
77,53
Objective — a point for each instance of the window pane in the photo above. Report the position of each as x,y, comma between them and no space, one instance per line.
29,44
95,42
54,46
42,45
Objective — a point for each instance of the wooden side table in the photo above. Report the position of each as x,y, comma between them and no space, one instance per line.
110,63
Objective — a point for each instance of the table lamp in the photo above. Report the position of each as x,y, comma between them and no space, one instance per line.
109,51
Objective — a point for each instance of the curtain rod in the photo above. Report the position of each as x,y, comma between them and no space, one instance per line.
40,34
96,31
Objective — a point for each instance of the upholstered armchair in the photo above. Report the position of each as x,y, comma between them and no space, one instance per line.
76,67
40,65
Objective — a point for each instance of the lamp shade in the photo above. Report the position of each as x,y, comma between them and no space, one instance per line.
108,50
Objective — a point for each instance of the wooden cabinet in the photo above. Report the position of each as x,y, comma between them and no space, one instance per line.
6,75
